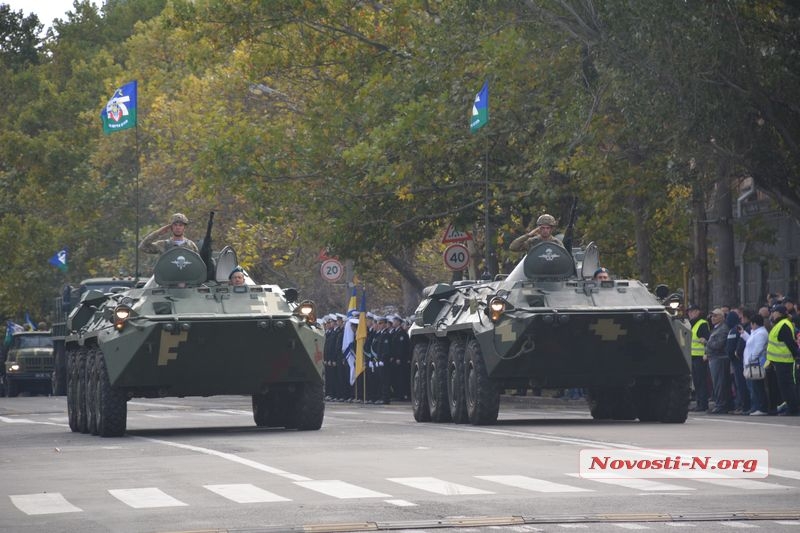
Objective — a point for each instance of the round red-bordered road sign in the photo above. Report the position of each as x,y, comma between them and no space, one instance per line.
331,270
456,257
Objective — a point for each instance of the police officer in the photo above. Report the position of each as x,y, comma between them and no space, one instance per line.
543,231
783,354
177,225
327,356
700,334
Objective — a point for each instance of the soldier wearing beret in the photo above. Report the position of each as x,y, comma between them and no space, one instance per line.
151,244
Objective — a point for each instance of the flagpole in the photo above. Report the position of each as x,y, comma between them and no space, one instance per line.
488,230
136,187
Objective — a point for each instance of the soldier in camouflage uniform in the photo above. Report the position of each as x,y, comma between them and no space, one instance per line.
177,225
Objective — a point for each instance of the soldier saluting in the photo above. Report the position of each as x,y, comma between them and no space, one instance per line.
542,232
151,244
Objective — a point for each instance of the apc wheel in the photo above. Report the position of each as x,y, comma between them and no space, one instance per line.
613,403
677,396
455,382
91,387
271,409
438,405
83,425
419,383
11,386
72,390
260,410
58,378
111,402
482,397
309,407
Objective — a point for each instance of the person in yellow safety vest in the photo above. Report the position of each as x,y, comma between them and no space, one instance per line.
700,334
783,354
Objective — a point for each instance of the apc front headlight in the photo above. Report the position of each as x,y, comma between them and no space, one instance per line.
308,311
13,368
497,306
121,315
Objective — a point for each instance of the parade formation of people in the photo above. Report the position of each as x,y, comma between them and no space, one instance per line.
387,359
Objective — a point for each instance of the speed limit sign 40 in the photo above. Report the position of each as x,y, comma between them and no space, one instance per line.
456,257
331,270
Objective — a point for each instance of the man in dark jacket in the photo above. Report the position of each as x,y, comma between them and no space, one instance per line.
718,362
734,347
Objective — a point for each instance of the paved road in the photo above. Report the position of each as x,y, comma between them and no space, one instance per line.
200,464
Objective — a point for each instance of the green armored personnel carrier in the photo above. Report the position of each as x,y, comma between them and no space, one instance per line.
551,325
187,332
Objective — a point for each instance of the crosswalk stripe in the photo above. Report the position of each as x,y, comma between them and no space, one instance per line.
437,486
49,503
341,489
746,484
145,498
401,503
529,483
737,525
679,524
638,483
624,525
245,493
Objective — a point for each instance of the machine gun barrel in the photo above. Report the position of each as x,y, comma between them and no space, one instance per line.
570,230
205,251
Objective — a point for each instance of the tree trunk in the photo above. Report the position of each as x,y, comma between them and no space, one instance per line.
643,254
698,289
724,286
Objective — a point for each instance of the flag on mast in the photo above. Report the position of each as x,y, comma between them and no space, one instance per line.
361,333
480,109
59,260
120,112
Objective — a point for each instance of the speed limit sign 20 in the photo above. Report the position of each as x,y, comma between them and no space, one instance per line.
456,257
331,270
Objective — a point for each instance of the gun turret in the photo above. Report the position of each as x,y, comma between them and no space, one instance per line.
205,251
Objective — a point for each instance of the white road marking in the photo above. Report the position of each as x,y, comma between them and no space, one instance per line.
341,489
791,474
437,486
679,524
230,457
529,483
745,484
245,493
637,483
159,415
739,525
401,503
49,503
159,405
624,525
146,498
238,412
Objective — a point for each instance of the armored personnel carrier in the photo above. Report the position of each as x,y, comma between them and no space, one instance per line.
548,323
187,332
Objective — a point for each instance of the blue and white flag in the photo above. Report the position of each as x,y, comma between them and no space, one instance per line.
480,109
59,260
120,112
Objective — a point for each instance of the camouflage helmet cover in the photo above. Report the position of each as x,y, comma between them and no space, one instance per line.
179,217
546,220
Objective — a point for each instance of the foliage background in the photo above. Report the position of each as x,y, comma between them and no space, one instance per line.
344,125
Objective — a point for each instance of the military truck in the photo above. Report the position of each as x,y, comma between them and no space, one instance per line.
187,332
63,304
28,363
549,324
